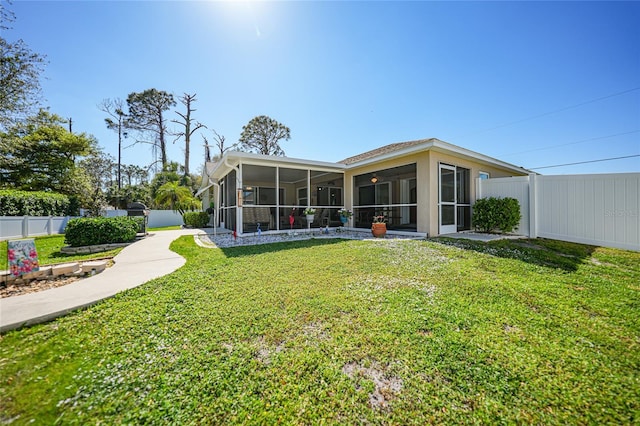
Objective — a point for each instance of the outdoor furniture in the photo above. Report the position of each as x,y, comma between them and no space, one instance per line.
252,216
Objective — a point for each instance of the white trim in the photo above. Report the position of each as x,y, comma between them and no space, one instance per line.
298,163
201,190
438,146
447,229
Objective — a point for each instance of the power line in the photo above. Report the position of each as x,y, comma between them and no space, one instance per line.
572,143
584,162
555,111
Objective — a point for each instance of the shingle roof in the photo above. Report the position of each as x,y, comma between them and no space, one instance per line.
383,150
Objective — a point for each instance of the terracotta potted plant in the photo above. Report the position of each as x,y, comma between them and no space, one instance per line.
379,226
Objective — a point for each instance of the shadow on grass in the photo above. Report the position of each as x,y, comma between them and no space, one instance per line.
250,250
549,253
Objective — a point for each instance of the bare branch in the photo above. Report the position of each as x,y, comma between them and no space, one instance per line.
188,124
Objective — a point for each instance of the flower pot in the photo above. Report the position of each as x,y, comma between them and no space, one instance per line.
310,218
344,220
379,229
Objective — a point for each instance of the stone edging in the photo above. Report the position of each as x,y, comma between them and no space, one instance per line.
71,269
92,249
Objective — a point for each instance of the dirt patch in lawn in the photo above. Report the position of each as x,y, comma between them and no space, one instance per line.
386,386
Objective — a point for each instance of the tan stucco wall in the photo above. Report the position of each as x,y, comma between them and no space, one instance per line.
427,181
435,158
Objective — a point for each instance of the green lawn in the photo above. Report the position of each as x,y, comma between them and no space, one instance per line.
165,228
48,248
346,332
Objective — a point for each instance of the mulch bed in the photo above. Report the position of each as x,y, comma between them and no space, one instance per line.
13,288
16,289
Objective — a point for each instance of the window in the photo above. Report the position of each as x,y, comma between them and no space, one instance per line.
260,195
302,197
248,195
483,175
378,194
329,196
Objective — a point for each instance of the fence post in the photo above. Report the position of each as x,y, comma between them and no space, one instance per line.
25,226
478,188
533,217
50,225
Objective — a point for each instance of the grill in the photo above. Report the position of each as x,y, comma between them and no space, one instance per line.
139,209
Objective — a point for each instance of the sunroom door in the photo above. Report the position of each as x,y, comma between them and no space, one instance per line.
447,199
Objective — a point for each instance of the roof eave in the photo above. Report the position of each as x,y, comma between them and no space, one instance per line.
237,157
473,155
440,146
393,154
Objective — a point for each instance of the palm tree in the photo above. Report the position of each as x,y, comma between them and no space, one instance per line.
177,198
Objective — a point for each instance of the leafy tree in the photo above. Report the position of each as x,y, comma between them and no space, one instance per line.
171,174
120,198
146,115
117,121
133,173
177,198
262,134
40,154
99,168
20,70
95,172
188,125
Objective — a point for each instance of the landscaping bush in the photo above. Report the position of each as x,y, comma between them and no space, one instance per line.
491,214
101,230
34,203
196,219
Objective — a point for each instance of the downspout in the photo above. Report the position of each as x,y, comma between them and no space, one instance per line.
215,210
238,186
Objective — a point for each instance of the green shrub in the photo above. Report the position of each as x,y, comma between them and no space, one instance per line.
34,203
491,214
196,219
89,231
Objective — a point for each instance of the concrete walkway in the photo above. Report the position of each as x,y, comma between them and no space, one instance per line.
136,264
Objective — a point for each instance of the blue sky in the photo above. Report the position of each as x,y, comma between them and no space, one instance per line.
531,83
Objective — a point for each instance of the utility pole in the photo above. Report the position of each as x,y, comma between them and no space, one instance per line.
70,124
117,122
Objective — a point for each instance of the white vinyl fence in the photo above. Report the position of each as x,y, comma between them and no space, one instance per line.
157,218
31,226
597,209
12,227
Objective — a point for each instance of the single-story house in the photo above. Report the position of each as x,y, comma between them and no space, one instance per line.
425,187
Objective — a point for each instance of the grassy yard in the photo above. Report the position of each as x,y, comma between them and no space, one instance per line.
346,332
165,228
48,248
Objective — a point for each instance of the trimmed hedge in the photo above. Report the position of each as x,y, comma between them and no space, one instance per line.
34,203
89,231
491,214
196,219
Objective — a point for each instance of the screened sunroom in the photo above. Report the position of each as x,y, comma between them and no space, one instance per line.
391,193
257,193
